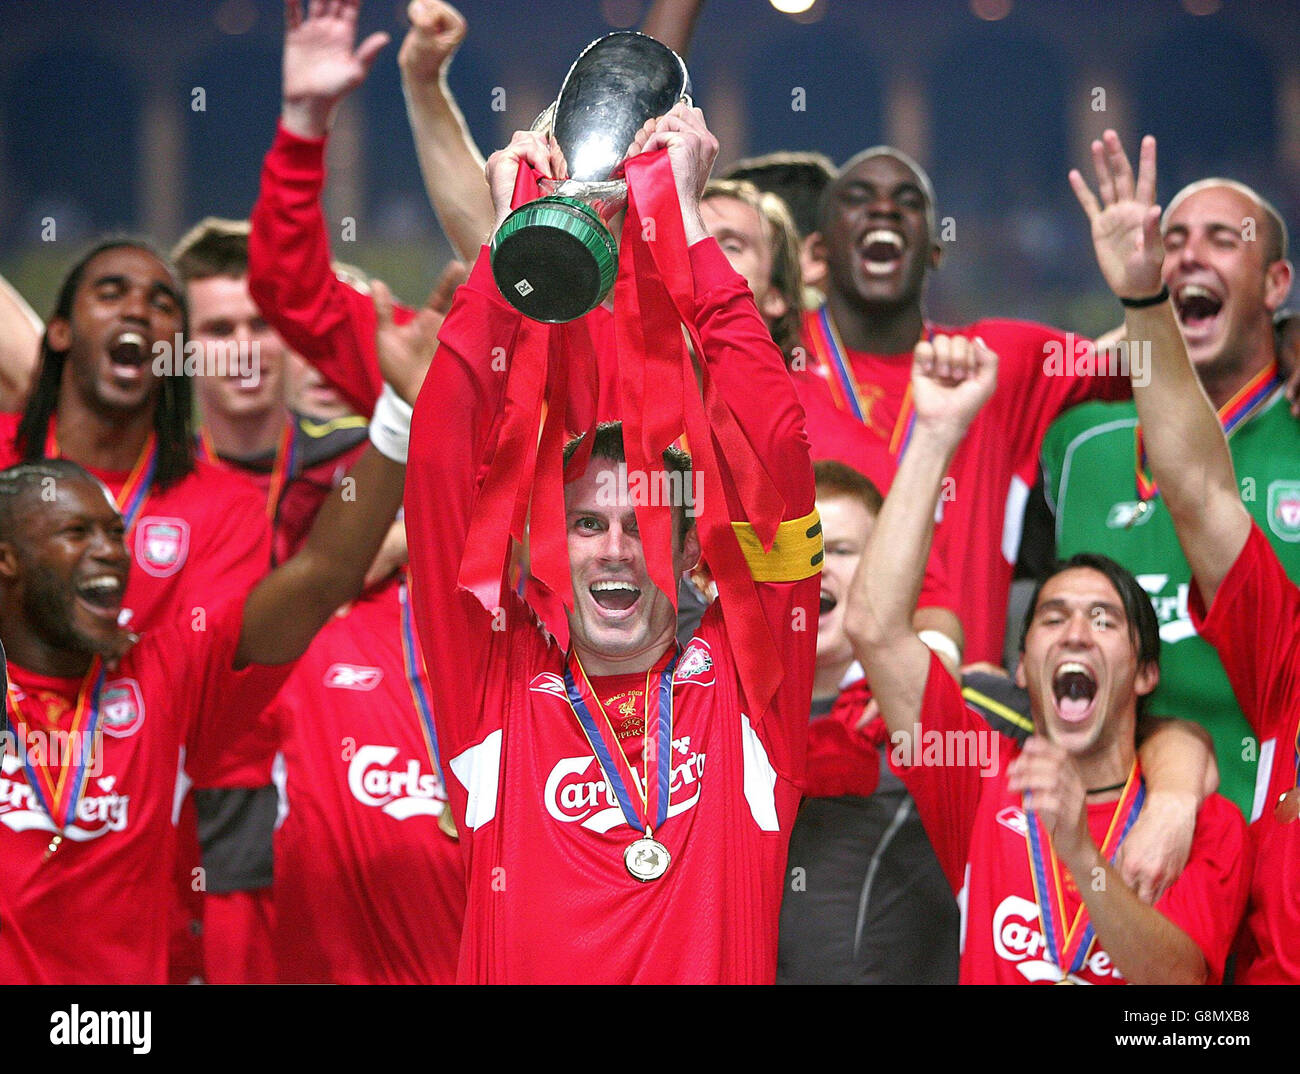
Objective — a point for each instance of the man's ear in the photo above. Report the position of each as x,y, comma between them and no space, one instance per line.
936,255
774,305
691,548
1277,284
8,561
812,260
1019,676
1147,678
58,333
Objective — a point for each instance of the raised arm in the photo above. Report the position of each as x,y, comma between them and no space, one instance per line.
20,344
1185,445
672,23
287,608
952,378
290,274
450,162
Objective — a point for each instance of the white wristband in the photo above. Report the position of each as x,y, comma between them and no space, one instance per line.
390,425
941,645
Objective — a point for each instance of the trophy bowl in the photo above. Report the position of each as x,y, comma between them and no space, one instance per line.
554,259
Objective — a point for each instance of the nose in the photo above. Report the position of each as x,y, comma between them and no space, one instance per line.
108,546
1078,629
135,305
618,544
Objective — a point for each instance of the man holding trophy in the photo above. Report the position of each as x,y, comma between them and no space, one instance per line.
624,803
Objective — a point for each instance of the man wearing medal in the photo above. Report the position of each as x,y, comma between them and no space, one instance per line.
1242,601
601,847
102,716
1033,843
1225,286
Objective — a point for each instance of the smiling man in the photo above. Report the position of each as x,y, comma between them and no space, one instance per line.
624,812
1227,272
1032,844
101,716
880,242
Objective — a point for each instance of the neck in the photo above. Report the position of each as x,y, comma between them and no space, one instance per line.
827,679
28,650
598,665
876,329
1108,765
97,439
245,436
1222,380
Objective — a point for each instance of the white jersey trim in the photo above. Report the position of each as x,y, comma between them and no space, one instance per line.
760,779
479,771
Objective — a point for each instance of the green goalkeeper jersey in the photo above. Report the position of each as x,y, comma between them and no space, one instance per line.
1090,481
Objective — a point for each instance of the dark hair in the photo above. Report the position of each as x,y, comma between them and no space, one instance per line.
607,443
835,478
1143,626
798,179
173,418
213,247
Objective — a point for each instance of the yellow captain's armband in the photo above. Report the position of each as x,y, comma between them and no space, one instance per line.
796,552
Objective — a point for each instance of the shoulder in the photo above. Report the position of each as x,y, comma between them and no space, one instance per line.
220,489
1089,421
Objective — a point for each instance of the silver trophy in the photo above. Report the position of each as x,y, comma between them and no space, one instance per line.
554,259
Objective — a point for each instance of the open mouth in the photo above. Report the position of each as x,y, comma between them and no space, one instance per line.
1197,307
882,251
102,594
827,604
127,352
1075,689
614,596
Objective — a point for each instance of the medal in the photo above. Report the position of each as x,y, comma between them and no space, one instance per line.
59,795
647,859
1069,944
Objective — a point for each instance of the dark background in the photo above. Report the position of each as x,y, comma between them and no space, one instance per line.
98,132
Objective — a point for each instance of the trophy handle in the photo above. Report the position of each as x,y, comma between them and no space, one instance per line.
545,122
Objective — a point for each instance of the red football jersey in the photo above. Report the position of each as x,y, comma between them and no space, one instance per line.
1254,625
368,889
550,898
97,911
980,834
194,545
997,464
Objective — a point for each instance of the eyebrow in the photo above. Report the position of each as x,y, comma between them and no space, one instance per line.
123,281
1061,604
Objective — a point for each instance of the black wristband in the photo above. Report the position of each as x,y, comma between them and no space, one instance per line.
1143,303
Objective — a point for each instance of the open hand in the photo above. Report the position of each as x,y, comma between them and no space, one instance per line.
406,350
1125,218
321,65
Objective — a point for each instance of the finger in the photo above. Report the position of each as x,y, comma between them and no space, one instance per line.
868,714
370,49
453,275
1105,185
1120,168
959,358
923,357
942,352
316,9
1146,183
383,300
1151,238
1087,200
292,14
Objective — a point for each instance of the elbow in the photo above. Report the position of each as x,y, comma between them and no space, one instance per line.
868,631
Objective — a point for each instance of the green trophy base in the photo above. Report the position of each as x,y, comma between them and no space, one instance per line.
554,260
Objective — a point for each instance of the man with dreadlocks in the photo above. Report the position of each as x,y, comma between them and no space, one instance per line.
193,529
100,714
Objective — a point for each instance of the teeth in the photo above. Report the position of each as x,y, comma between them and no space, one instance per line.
883,236
133,339
105,583
1195,290
1073,668
610,587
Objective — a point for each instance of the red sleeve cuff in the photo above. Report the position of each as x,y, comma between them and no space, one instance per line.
296,152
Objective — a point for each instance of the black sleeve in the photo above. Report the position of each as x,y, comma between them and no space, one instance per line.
235,832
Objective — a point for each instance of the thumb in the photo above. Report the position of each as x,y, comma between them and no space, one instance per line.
445,289
383,300
370,49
